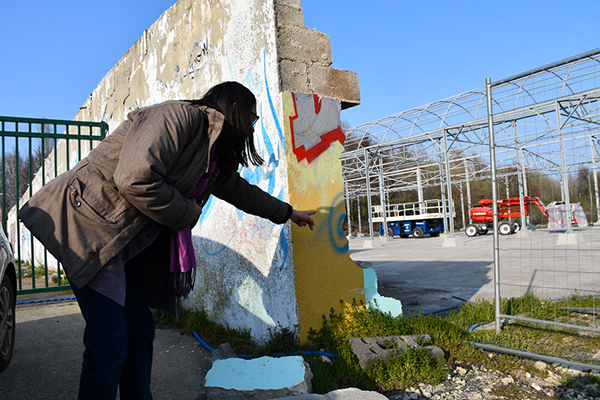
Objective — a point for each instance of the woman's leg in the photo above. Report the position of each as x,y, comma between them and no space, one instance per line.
135,380
105,341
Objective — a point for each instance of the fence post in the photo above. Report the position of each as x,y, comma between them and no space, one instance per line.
488,87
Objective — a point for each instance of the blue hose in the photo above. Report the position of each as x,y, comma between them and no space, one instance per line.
202,342
248,356
475,326
44,301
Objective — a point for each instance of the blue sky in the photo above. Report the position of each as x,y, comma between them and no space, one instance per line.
407,53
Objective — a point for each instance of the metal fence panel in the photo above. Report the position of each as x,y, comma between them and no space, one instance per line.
549,271
34,151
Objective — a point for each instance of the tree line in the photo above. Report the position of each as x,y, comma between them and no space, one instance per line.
19,169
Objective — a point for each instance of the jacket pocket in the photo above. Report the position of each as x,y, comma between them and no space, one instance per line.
95,198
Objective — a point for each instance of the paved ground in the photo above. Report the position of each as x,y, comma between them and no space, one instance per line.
427,276
421,273
48,353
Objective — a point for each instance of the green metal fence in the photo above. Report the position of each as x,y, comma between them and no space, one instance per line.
33,152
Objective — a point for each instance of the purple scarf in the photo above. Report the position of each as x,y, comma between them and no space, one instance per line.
183,257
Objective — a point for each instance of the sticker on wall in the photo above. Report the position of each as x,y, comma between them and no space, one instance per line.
318,127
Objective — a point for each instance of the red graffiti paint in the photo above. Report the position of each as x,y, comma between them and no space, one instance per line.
318,128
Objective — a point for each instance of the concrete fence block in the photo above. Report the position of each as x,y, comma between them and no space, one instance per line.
370,350
336,83
289,13
298,43
294,76
290,3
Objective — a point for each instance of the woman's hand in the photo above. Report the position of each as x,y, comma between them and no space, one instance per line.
302,218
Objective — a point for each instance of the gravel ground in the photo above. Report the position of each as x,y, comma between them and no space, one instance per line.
471,382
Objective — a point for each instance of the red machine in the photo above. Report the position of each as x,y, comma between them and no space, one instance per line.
483,216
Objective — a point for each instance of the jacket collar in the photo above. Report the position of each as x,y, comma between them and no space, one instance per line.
215,126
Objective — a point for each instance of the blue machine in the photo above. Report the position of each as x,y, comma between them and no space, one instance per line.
418,228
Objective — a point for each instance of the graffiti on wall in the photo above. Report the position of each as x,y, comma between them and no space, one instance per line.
317,129
254,232
335,219
312,126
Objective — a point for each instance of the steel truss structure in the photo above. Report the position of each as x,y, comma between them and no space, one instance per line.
546,119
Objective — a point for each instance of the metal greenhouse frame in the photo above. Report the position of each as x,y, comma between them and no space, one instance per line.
545,123
439,142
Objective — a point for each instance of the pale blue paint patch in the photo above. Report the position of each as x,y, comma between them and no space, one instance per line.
249,81
251,174
264,373
229,63
272,162
283,246
374,299
253,82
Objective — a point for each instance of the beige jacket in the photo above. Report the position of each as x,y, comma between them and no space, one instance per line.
142,171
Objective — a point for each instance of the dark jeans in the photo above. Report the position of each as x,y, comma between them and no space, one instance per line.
118,342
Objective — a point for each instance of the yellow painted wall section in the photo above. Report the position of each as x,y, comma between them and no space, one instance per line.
325,273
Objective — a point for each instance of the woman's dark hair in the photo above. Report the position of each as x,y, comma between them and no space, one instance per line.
236,142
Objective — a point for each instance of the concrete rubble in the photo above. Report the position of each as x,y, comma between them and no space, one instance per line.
341,394
369,350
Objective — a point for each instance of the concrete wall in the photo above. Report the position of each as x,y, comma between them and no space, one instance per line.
252,273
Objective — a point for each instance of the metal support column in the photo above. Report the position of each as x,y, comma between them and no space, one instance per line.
443,191
359,221
468,184
348,220
462,204
497,311
595,174
450,205
382,200
420,191
564,172
369,204
524,222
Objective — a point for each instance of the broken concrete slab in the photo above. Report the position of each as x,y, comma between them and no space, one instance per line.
223,352
341,394
260,378
369,350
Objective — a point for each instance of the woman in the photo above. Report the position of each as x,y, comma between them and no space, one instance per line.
120,220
